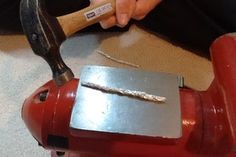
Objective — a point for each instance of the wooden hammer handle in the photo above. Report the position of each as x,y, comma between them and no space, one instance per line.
76,21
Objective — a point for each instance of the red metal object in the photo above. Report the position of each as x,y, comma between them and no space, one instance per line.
208,118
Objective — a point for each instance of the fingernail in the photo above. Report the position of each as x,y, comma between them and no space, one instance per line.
123,19
118,25
104,25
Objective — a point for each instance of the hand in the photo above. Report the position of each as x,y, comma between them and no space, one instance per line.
127,9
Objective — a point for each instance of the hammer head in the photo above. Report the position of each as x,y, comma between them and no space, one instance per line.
45,36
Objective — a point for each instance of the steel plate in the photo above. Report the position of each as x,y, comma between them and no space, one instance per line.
99,111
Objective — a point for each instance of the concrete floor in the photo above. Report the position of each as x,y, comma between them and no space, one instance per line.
22,72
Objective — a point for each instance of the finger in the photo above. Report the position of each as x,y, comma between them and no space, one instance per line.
92,2
124,11
143,7
109,22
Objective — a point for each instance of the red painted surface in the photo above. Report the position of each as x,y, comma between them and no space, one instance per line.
208,118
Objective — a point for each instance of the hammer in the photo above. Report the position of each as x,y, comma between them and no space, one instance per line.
46,33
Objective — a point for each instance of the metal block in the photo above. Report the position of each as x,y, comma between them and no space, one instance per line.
99,111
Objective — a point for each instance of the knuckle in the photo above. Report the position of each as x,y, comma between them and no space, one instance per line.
125,6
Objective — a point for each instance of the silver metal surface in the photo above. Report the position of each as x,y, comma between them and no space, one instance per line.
181,81
125,92
99,111
63,78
